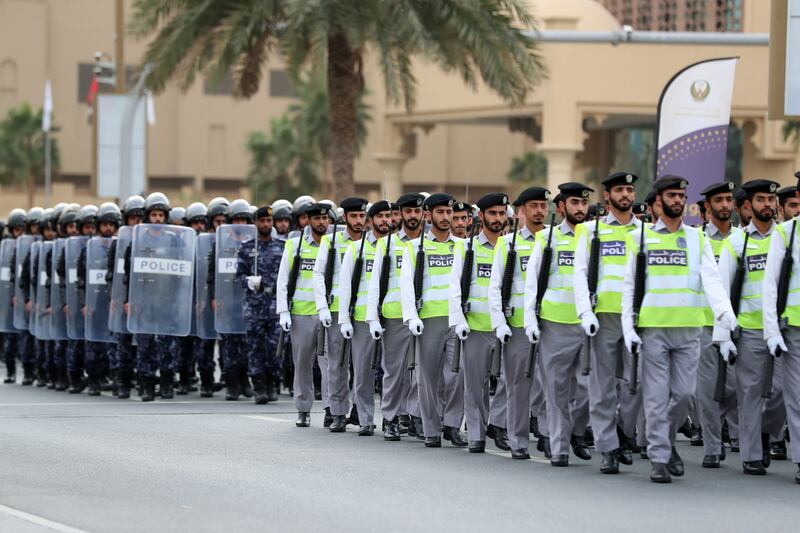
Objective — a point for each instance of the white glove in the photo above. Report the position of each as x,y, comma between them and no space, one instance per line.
285,320
728,321
503,333
347,331
254,283
375,329
532,332
462,330
416,326
589,323
773,343
726,349
631,338
325,318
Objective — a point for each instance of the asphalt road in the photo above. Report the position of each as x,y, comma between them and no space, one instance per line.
73,463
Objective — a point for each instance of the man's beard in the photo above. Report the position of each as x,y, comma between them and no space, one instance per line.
670,213
764,218
719,216
412,223
618,206
264,231
443,225
353,229
572,219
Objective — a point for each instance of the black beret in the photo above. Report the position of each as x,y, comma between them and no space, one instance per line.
353,204
639,208
394,206
787,192
740,196
797,174
438,199
532,193
317,210
650,199
670,182
572,188
701,204
492,199
462,206
557,198
379,207
754,186
716,188
264,211
410,199
619,178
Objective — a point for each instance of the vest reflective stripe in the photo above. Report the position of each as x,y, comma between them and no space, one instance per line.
517,300
716,247
750,315
391,307
435,279
341,248
612,262
360,313
792,312
558,302
303,302
673,289
478,317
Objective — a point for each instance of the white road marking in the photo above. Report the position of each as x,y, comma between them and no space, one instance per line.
39,521
267,418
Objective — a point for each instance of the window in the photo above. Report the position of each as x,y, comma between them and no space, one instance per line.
280,85
223,87
8,78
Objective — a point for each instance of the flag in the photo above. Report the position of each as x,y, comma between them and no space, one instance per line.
90,96
47,108
692,131
150,107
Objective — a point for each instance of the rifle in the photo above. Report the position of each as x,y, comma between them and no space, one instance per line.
466,281
290,288
592,278
383,288
541,287
355,281
736,299
328,279
505,297
638,297
780,304
419,271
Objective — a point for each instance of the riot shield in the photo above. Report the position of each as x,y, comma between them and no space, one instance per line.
204,315
117,317
228,291
161,280
75,299
58,320
7,248
98,295
43,311
23,250
33,266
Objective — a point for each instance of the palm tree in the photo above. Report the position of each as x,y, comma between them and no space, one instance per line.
530,169
477,39
22,148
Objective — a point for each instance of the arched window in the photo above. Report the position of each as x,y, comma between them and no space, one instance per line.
8,81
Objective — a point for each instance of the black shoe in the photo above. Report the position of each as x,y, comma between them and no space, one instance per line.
392,431
722,453
11,371
660,473
765,456
609,464
777,451
711,461
124,391
697,437
328,419
353,418
725,435
260,390
61,380
454,436
75,382
28,373
675,465
520,454
148,389
183,384
797,475
404,421
206,384
477,446
754,468
433,442
625,456
543,445
686,429
500,437
643,454
415,429
303,420
232,390
366,431
94,386
339,424
534,427
735,445
167,382
588,437
561,459
580,449
272,392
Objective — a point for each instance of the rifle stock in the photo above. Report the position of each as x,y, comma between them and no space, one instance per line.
466,280
638,297
355,281
592,277
291,287
783,294
383,288
541,287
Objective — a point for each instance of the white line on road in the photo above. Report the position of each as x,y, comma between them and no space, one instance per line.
159,402
39,521
267,418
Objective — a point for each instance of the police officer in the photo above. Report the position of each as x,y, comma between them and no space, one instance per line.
11,341
67,227
257,268
282,222
718,203
28,347
751,345
650,202
462,213
602,322
46,356
744,212
680,267
562,337
788,203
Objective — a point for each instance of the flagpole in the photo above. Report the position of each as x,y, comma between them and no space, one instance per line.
48,168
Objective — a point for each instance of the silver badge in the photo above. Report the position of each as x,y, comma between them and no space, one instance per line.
731,186
546,195
628,178
683,184
772,187
681,242
585,193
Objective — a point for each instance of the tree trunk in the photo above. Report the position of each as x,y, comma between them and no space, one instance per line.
31,186
344,86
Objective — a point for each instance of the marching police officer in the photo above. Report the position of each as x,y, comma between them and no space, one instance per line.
788,203
11,341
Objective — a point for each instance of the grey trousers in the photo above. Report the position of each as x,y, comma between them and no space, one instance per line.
498,407
363,373
709,411
774,418
750,366
338,376
669,362
322,361
518,389
790,366
477,360
630,405
451,391
434,348
607,345
579,407
397,341
561,349
411,391
304,332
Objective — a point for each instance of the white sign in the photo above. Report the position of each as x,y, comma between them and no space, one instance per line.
72,276
110,113
97,276
170,267
226,266
42,278
5,274
120,266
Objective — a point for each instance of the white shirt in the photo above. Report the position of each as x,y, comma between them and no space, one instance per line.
282,289
319,269
407,297
454,306
498,269
772,272
346,273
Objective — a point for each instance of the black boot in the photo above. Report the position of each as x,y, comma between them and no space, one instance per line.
579,448
232,391
609,464
272,392
94,385
766,459
328,419
206,384
28,373
183,384
659,473
244,384
124,391
339,424
391,431
500,437
52,377
453,434
260,389
353,418
148,388
11,371
41,376
167,383
76,382
61,379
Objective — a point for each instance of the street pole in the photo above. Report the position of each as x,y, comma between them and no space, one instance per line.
48,168
119,42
